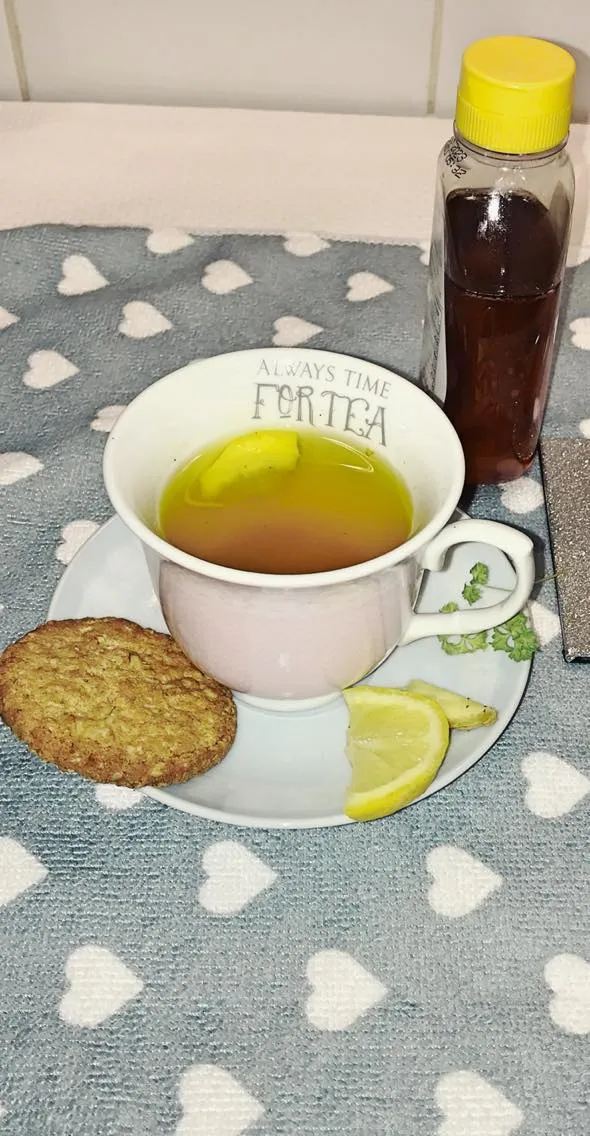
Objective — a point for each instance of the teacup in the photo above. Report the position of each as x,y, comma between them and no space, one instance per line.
293,642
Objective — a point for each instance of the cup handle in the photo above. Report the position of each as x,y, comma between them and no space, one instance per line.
519,549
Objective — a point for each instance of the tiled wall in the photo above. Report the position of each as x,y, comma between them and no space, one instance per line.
369,56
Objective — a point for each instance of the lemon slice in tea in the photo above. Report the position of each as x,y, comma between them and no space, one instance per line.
396,743
262,451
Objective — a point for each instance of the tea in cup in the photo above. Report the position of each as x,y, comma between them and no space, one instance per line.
286,502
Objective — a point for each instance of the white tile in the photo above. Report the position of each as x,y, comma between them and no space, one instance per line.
9,86
335,55
566,22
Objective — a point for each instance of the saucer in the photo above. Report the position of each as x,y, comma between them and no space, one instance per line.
290,770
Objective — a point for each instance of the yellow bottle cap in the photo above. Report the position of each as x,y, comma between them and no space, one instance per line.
515,94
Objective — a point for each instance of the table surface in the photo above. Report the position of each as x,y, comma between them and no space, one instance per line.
423,974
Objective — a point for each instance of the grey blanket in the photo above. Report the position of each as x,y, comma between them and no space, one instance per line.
340,995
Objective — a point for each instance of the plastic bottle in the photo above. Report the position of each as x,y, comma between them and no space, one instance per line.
502,215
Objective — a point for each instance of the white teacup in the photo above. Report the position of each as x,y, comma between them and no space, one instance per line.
291,642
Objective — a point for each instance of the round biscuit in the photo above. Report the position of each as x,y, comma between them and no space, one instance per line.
114,702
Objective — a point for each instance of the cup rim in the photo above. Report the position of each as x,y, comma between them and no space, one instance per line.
288,580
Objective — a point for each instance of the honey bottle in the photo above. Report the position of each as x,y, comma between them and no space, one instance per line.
502,217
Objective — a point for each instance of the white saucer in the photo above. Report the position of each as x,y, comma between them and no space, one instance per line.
290,770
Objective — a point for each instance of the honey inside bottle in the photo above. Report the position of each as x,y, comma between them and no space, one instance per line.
504,254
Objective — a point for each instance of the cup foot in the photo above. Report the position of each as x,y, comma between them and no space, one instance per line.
286,705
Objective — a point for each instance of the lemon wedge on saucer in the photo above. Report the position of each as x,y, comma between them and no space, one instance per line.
262,451
396,743
463,713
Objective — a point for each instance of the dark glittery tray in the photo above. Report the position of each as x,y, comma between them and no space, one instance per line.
565,464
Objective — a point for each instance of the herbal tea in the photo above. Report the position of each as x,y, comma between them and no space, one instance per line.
286,501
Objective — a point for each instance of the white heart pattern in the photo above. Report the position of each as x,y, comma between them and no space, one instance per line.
74,535
223,276
580,329
290,330
366,286
117,797
214,1103
545,622
141,320
304,244
568,976
235,876
555,786
424,247
577,254
99,985
47,369
16,466
19,870
106,418
165,241
460,881
585,427
80,276
521,496
471,1105
342,990
6,319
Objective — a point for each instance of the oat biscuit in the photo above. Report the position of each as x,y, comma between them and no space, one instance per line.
114,702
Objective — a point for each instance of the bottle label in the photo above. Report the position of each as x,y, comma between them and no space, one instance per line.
433,370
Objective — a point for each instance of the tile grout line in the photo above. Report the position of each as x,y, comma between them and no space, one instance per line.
16,45
435,47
